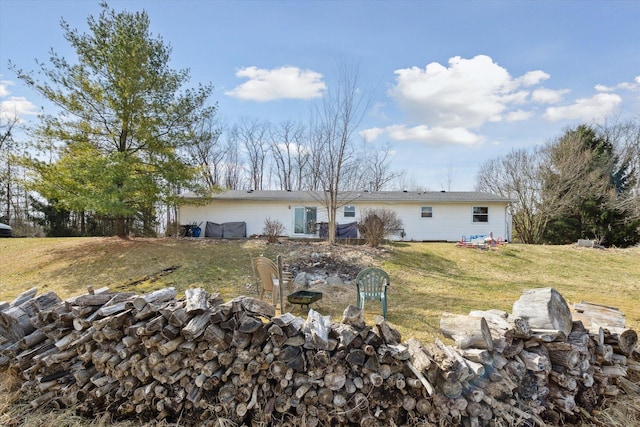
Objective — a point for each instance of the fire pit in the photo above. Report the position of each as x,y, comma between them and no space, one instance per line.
304,298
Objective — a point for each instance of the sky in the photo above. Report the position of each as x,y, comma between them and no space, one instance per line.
450,84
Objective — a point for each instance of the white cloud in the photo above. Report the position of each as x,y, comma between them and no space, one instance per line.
425,134
531,78
14,106
518,116
467,93
371,134
279,83
603,88
443,103
595,108
4,90
548,96
635,85
377,111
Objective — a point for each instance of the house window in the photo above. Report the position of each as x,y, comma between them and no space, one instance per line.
480,214
426,212
349,211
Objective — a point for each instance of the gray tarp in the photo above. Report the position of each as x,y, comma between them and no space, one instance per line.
213,230
347,231
227,230
343,231
234,230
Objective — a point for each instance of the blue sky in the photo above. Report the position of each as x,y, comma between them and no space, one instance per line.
451,83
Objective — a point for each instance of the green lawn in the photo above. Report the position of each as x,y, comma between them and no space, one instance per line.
427,278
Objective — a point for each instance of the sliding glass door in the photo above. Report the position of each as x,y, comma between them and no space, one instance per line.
304,221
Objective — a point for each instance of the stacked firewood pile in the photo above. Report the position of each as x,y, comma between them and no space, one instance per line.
199,360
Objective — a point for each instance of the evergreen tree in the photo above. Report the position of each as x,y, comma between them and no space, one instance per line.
124,117
589,209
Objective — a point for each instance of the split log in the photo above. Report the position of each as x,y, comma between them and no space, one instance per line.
317,329
196,300
467,331
389,334
23,297
419,358
625,340
544,308
196,326
503,325
15,321
259,307
600,314
92,299
427,385
353,316
159,296
568,358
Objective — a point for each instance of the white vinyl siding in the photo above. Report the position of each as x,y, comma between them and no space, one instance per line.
449,222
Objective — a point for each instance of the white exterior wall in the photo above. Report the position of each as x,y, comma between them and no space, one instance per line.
449,222
253,213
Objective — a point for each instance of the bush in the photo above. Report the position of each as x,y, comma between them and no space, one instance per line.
272,229
377,224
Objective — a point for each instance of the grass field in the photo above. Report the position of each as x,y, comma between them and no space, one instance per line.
427,278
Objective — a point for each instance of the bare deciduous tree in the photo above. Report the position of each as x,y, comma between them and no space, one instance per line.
233,165
377,173
286,148
517,176
570,173
566,176
336,122
209,151
446,181
251,135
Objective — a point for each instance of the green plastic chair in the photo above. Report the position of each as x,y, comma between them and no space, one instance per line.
371,284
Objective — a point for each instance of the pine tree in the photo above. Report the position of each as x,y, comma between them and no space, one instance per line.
123,117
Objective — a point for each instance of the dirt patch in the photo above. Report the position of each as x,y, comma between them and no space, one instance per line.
344,261
331,269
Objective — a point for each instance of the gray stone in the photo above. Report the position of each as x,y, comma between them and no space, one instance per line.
301,279
334,281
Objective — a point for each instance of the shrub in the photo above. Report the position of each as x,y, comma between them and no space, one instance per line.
272,229
377,224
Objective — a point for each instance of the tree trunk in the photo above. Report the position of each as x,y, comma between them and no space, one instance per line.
121,227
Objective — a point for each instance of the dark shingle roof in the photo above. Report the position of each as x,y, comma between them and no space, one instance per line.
363,196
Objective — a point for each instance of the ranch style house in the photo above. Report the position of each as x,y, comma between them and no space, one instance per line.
425,215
